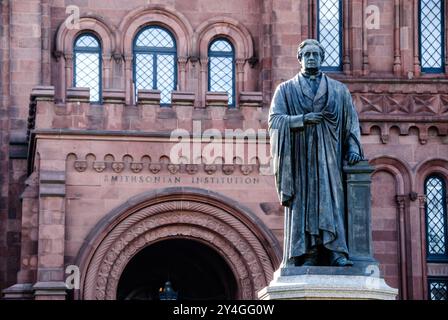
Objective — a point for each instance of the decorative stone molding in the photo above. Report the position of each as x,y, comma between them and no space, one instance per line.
42,93
251,99
52,183
53,290
191,168
240,65
80,165
412,103
114,96
148,96
182,63
246,169
216,99
210,168
182,98
136,167
117,166
155,168
155,14
228,27
99,166
65,36
228,169
78,95
206,220
173,168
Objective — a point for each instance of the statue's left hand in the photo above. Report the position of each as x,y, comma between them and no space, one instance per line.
353,158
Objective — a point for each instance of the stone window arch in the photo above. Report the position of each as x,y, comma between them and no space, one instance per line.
238,35
153,15
250,249
64,51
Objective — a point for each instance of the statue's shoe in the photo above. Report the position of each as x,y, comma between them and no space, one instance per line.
339,260
311,259
309,263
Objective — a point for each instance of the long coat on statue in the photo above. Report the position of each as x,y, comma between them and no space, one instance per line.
308,162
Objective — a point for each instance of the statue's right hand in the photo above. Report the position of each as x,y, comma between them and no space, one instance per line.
313,118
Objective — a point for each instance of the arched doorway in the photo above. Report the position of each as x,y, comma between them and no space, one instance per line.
241,239
196,271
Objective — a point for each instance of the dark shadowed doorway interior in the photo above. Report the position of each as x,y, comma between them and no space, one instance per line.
196,272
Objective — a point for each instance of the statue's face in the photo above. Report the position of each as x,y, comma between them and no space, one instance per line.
311,59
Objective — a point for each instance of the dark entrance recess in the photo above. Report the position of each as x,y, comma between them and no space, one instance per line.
196,272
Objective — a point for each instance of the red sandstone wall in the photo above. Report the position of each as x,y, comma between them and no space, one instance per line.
404,151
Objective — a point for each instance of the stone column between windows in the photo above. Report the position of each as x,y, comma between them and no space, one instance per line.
397,39
349,27
107,74
240,63
61,85
416,38
50,283
68,72
182,65
415,255
204,81
129,84
422,214
365,44
401,223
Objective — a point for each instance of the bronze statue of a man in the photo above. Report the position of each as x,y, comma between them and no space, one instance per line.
314,127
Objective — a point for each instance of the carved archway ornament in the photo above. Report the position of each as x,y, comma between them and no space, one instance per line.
250,250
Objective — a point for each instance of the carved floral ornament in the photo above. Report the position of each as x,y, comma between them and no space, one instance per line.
234,240
160,167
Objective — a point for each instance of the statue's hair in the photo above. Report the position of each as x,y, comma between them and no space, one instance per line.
310,42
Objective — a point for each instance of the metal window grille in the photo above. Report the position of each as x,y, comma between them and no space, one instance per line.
431,36
329,33
221,68
87,65
438,288
436,218
155,59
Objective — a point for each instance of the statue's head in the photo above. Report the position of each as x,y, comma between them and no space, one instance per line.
311,54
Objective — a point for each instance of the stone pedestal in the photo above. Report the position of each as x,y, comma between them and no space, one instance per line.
360,281
328,283
20,291
51,290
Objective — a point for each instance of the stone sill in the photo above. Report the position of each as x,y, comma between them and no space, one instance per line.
114,96
251,99
43,93
183,98
216,99
78,95
148,97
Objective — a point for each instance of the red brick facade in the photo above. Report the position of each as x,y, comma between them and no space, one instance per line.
59,205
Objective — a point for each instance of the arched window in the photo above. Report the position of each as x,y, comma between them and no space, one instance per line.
221,68
329,32
87,65
155,61
436,218
431,36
